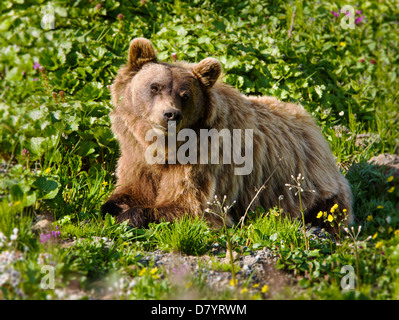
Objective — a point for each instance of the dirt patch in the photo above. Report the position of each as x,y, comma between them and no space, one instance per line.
389,163
254,271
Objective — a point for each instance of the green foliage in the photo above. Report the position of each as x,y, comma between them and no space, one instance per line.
376,198
187,235
58,153
270,229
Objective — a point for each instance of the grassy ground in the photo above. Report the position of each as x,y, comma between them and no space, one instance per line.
58,153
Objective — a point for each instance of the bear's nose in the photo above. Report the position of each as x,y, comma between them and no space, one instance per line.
172,115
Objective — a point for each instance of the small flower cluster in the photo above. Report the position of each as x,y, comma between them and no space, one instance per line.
299,179
334,215
263,290
10,277
37,66
13,238
358,19
391,188
45,258
223,210
50,236
153,273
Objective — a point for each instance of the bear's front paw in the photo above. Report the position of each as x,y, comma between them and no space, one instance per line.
137,217
111,207
117,204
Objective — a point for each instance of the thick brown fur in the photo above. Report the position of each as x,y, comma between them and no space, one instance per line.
286,141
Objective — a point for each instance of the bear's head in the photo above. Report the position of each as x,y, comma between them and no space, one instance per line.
151,93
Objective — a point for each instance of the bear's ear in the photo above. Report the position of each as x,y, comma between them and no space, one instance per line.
208,71
141,52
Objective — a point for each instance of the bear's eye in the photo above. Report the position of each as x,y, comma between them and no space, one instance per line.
185,96
154,88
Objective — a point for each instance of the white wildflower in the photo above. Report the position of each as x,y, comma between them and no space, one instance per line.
4,278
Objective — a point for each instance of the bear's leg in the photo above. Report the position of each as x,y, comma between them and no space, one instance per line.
139,217
116,204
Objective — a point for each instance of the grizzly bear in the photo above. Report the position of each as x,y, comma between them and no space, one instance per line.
279,140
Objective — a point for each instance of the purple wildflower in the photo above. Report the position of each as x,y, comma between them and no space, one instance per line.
359,19
35,79
50,236
336,14
358,12
36,65
181,271
44,237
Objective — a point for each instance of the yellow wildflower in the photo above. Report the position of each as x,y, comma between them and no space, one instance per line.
255,285
342,44
369,218
142,272
390,179
391,189
379,245
380,207
319,215
330,218
243,290
344,211
188,285
265,288
16,203
154,270
333,208
375,235
396,233
104,183
47,170
233,283
390,229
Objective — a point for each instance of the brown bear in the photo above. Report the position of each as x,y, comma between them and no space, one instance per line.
279,140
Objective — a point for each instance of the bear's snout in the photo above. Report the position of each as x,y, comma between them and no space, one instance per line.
172,115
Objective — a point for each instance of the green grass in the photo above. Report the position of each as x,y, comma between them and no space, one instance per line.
188,235
58,153
270,229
